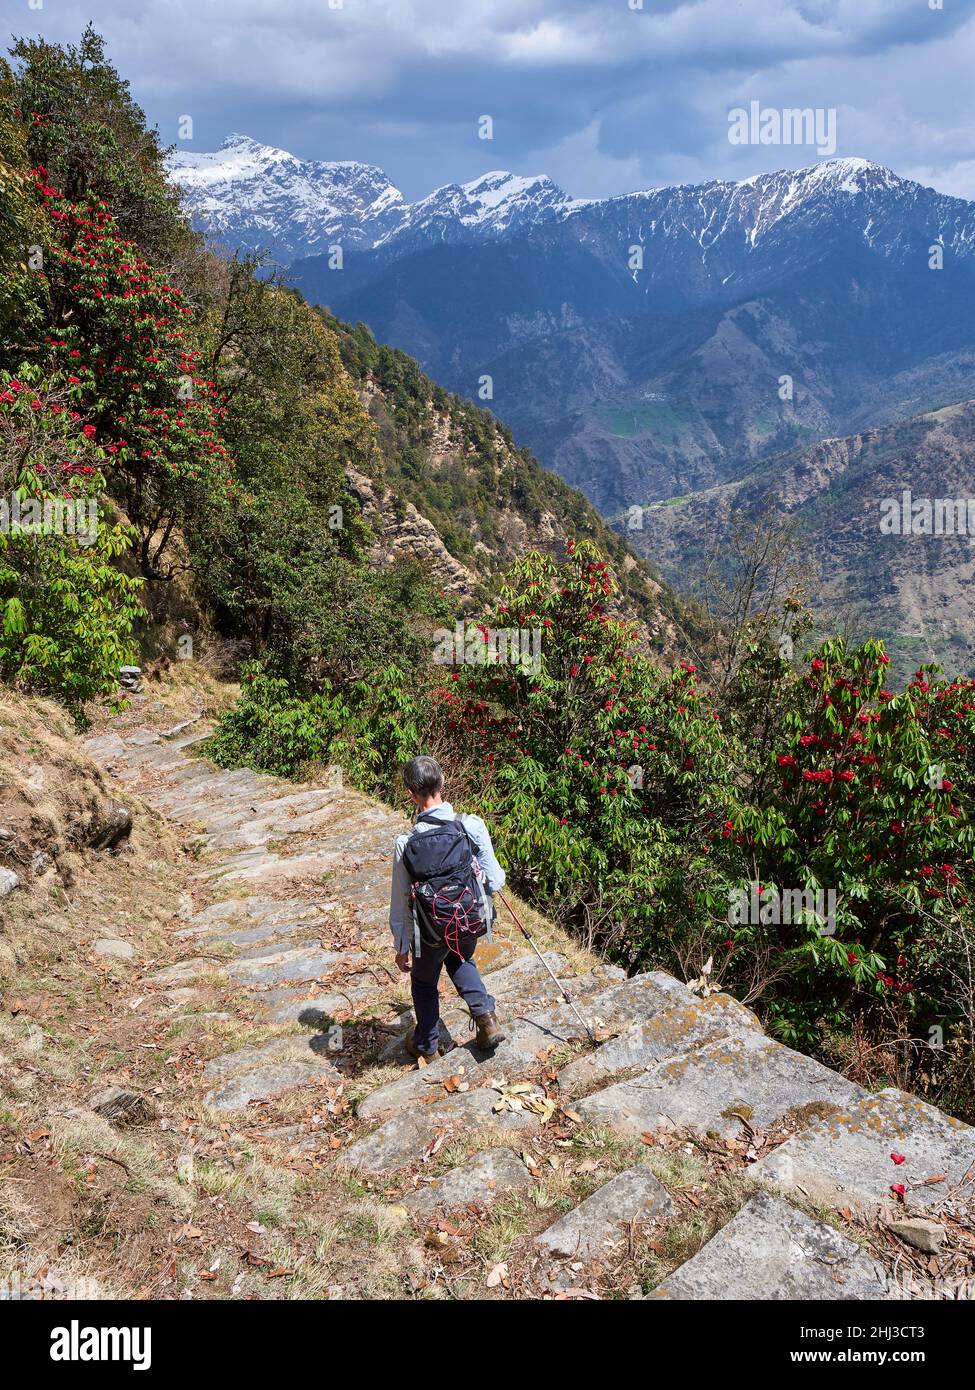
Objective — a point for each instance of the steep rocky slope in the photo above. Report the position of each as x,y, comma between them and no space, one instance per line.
451,488
914,589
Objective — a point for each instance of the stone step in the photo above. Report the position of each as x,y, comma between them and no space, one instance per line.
279,1049
260,831
263,868
605,998
526,1036
594,1227
402,1140
532,1017
105,748
251,911
185,970
486,1176
523,985
253,936
772,1252
296,963
305,936
319,1010
715,1087
669,1034
236,813
522,976
196,794
845,1159
268,1082
528,1000
191,777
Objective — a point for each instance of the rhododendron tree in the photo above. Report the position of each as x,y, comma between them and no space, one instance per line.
626,802
855,789
600,771
67,611
118,341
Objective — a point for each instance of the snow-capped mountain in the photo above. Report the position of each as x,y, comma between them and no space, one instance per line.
716,237
251,196
644,345
492,206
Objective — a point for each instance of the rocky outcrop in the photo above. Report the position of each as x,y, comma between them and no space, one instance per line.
55,802
403,534
911,585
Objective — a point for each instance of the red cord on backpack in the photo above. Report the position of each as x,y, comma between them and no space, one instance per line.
457,920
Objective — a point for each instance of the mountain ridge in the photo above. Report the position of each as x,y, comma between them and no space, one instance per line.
472,206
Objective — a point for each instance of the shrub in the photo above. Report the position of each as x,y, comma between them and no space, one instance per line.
66,611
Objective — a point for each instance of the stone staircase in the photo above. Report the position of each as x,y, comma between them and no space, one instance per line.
290,911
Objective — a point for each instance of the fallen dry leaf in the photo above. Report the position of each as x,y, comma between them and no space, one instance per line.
434,1147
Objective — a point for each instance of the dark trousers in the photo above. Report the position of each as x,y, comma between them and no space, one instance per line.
424,979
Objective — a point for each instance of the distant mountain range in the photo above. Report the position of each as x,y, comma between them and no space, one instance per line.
883,532
649,346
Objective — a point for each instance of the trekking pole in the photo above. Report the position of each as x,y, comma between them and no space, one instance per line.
562,989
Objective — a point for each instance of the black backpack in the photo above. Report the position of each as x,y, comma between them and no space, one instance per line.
449,900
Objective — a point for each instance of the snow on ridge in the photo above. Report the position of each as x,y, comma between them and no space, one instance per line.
262,194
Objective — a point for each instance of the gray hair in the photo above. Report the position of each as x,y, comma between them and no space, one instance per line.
423,775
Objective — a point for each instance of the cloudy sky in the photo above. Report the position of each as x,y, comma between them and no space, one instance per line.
603,95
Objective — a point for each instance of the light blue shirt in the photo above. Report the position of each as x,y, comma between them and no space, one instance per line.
400,911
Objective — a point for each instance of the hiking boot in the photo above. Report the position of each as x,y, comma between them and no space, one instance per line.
410,1044
488,1032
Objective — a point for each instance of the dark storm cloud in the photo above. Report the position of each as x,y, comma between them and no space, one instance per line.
603,96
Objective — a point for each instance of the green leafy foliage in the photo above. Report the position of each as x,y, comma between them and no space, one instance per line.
67,611
369,728
82,127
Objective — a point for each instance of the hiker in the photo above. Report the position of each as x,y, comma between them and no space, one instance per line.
444,873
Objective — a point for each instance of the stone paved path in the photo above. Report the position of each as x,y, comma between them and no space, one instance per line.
290,909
